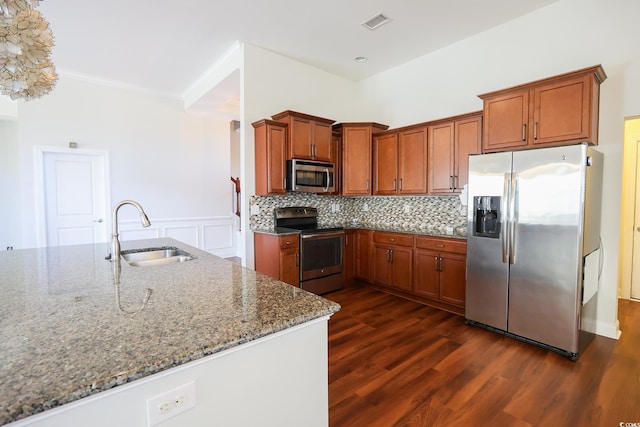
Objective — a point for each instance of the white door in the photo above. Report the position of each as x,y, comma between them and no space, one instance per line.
74,198
635,266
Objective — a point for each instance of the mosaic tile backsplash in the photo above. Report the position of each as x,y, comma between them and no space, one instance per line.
398,213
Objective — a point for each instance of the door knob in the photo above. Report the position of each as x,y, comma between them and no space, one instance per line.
97,220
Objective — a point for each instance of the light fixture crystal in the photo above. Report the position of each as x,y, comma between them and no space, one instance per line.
26,70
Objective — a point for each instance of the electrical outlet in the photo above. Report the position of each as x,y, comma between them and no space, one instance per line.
255,209
337,207
407,209
171,403
365,207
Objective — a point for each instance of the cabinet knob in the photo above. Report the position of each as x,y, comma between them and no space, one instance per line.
439,245
391,239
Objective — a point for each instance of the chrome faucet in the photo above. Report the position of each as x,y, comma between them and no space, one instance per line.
115,243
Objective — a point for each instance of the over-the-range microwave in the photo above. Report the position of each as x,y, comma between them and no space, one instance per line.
310,176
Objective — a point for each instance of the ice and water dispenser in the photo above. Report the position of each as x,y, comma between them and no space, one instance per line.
486,213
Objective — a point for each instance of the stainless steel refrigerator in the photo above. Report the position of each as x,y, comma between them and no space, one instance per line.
533,245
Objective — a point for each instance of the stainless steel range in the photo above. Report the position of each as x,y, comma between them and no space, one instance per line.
320,248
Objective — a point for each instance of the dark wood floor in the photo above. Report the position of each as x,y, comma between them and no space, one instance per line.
394,362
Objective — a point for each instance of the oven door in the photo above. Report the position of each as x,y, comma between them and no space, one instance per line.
321,254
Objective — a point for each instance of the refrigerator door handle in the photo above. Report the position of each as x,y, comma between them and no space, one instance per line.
513,218
504,219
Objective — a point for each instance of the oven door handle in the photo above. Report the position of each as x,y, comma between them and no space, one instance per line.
327,234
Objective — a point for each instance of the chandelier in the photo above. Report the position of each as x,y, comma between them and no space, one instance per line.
26,70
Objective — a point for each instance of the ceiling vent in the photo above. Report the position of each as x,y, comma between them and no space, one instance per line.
376,21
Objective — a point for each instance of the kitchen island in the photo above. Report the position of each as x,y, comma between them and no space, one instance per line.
84,341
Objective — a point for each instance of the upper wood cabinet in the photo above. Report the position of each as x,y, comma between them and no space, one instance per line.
555,111
450,143
271,156
309,137
356,153
400,161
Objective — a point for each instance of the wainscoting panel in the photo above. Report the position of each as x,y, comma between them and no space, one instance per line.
214,234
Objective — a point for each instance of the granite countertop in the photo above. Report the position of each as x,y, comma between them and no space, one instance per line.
458,232
72,325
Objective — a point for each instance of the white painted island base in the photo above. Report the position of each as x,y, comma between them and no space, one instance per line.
276,381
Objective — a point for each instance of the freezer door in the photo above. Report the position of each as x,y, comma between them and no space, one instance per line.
545,277
487,264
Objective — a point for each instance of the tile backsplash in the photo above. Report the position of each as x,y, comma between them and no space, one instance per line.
429,213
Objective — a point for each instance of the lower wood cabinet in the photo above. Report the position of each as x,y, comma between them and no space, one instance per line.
430,270
392,259
440,269
278,256
364,246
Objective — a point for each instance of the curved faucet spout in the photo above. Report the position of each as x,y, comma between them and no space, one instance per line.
115,242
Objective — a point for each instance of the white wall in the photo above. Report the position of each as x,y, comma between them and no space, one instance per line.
175,164
9,175
562,37
272,83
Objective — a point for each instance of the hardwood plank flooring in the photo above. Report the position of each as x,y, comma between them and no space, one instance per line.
394,362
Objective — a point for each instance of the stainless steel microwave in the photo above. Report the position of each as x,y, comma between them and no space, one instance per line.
310,176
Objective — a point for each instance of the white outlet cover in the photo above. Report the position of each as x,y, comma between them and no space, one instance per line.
255,209
170,403
365,207
407,208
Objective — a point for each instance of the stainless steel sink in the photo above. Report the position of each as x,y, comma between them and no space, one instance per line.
155,256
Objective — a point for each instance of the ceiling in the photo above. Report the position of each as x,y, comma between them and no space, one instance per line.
165,46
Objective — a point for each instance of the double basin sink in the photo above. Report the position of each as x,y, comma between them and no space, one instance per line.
148,257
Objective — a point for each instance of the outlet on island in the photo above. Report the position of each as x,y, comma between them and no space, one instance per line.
171,403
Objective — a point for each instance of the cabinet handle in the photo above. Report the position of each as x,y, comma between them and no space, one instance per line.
391,255
455,182
395,184
284,182
440,264
297,259
524,131
400,184
367,183
436,261
450,182
535,130
346,240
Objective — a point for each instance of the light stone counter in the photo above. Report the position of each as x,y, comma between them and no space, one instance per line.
69,328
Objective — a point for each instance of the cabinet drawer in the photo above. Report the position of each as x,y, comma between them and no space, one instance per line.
445,245
393,238
289,241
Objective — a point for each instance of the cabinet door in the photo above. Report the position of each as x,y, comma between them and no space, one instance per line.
412,161
562,111
289,266
505,121
401,267
349,255
382,265
385,164
271,156
363,257
356,161
468,140
426,277
441,158
321,141
301,137
453,278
